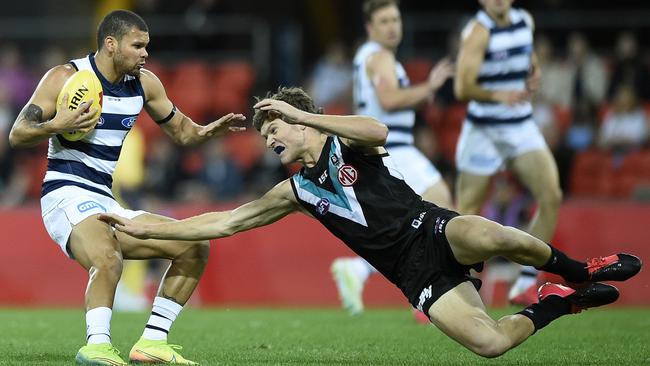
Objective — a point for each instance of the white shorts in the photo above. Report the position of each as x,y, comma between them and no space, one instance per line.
485,149
417,171
67,206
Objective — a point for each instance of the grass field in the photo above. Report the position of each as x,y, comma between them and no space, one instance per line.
328,337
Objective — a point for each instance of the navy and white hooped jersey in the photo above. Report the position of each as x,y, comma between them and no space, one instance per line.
505,67
361,199
90,162
366,102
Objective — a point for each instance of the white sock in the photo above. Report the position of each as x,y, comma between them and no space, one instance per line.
98,325
163,314
363,268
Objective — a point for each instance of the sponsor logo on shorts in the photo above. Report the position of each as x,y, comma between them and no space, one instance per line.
90,205
128,122
439,226
348,175
424,296
417,222
323,206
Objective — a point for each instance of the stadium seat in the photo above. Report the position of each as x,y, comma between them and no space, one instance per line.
592,174
160,71
633,173
245,148
232,83
340,109
190,89
418,69
450,128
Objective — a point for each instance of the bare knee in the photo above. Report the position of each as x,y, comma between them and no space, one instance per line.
489,347
107,266
198,253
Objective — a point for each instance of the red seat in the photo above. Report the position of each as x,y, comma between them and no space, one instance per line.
191,90
245,148
633,173
418,69
449,130
592,174
232,83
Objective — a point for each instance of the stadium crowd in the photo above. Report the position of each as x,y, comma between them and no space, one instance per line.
593,108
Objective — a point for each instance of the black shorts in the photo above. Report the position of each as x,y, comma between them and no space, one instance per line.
430,269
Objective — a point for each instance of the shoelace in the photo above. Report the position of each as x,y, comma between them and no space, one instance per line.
598,262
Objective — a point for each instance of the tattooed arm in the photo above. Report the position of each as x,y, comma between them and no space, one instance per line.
39,120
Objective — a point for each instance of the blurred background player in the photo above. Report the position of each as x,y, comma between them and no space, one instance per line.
497,72
77,185
381,90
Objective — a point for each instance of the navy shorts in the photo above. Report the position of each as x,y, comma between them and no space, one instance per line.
430,269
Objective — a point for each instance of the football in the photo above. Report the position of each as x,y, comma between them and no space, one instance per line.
83,85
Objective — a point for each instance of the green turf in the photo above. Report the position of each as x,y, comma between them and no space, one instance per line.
328,337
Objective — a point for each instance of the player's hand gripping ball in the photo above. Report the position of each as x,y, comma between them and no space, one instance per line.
82,86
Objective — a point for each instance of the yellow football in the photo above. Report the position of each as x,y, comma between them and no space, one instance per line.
82,86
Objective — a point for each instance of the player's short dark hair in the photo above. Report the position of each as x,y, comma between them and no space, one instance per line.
371,6
295,96
117,23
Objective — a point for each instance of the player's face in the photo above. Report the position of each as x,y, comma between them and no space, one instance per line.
131,53
284,139
496,7
385,26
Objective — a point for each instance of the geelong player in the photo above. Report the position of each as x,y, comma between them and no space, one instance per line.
348,184
382,90
497,71
77,185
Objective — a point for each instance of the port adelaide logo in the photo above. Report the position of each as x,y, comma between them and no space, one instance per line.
348,175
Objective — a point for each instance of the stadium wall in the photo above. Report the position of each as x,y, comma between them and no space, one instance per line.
287,263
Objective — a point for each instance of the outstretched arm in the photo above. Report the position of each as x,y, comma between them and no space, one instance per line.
274,205
180,127
362,131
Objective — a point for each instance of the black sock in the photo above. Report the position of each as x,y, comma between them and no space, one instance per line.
571,270
547,310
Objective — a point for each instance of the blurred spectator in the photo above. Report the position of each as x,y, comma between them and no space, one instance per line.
544,116
581,134
629,68
625,127
508,204
331,80
51,56
554,85
265,174
588,75
164,171
13,73
14,178
220,174
128,178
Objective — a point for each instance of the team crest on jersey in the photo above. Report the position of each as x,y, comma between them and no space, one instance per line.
323,206
128,122
348,175
100,122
